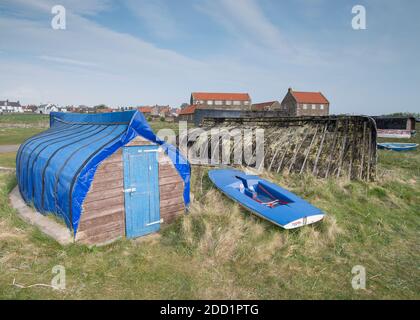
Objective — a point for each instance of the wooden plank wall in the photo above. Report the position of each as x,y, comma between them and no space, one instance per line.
103,216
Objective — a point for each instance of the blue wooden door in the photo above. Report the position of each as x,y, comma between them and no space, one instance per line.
141,190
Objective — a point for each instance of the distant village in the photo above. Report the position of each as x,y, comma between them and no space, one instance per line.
294,103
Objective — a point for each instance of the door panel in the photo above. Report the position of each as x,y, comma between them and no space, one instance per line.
141,190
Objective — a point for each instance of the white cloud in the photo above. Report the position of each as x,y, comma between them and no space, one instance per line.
247,22
66,61
156,16
258,35
88,63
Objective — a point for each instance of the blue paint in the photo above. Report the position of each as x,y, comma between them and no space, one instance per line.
266,199
394,146
141,190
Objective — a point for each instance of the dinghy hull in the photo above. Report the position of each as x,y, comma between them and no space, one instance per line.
265,199
394,146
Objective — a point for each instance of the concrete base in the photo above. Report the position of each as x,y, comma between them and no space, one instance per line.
51,228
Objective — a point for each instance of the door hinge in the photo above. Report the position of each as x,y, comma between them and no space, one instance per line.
155,222
129,190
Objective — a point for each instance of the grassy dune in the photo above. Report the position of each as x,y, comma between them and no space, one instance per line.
220,250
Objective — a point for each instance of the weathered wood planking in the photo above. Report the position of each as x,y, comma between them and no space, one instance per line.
103,215
346,147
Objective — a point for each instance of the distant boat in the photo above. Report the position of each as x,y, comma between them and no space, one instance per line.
398,146
265,199
395,133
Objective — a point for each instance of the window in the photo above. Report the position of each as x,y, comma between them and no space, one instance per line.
246,103
228,102
321,106
305,107
236,103
313,107
218,103
210,102
201,102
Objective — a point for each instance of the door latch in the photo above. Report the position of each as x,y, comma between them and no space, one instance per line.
130,190
155,222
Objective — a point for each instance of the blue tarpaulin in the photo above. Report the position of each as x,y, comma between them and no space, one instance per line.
55,168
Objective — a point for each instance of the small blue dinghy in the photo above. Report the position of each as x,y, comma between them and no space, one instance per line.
265,199
398,146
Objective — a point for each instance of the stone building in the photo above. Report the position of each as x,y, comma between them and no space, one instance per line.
187,114
267,106
298,103
221,101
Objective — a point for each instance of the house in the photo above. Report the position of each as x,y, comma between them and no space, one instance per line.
10,106
164,111
174,112
30,108
266,106
103,110
221,101
85,109
129,108
47,108
147,111
299,103
160,111
71,108
187,114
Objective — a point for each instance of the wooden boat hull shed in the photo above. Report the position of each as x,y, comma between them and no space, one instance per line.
106,175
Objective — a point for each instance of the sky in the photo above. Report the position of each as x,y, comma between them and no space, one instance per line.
142,52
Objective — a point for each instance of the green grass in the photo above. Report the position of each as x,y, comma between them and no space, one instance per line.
159,125
8,159
12,135
25,118
17,135
222,251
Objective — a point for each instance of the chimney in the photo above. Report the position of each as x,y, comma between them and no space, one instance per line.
290,90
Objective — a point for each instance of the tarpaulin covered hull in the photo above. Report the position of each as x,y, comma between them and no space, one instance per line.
55,168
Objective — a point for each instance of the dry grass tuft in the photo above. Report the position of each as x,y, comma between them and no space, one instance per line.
332,228
266,250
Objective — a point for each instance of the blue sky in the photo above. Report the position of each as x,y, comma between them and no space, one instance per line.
139,52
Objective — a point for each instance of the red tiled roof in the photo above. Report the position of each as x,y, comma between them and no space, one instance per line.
187,110
165,110
221,96
105,110
145,109
309,97
261,106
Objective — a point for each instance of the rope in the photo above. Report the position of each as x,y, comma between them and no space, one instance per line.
271,196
